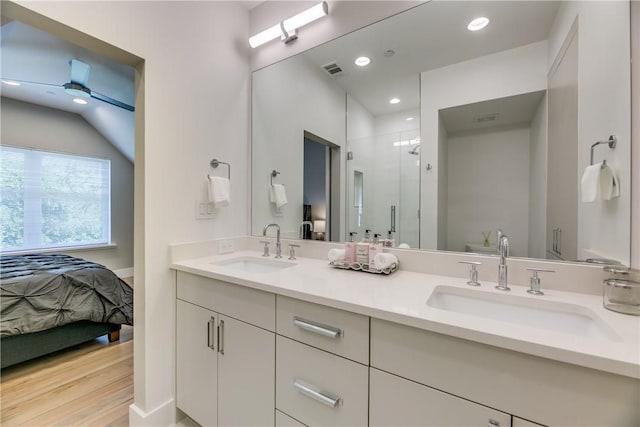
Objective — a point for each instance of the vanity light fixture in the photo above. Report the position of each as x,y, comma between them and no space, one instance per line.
11,82
287,29
394,101
478,23
362,61
80,101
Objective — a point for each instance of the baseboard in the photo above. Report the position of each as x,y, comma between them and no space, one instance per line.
162,416
124,272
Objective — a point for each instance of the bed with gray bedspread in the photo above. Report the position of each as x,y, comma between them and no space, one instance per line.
49,302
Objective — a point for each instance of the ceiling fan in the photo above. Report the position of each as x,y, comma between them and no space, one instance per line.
77,86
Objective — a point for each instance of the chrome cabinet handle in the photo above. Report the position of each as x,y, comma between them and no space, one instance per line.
210,333
221,337
324,330
393,218
315,393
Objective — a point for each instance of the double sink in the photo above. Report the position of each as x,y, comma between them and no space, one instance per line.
533,312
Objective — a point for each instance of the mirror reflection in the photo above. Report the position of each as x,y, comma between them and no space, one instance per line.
443,135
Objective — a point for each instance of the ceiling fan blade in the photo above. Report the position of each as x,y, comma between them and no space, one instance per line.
111,101
79,72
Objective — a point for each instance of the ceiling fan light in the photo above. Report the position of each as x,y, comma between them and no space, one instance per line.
75,89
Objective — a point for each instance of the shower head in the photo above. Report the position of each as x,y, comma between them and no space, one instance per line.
415,150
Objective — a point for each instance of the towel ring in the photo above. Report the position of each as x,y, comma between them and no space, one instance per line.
215,163
274,173
612,141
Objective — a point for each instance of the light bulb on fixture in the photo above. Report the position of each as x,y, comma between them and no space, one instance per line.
362,61
286,29
478,23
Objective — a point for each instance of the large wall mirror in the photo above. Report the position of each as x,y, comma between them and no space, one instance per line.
489,129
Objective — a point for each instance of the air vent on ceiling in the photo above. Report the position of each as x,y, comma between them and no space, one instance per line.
486,118
333,69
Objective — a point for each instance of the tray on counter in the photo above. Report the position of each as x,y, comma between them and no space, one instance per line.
356,266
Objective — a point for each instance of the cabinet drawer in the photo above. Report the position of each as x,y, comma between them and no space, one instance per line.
284,420
331,329
530,387
318,388
395,401
242,303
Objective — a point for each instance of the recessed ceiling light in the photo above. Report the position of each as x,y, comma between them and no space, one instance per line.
478,23
394,101
11,83
80,101
409,119
362,61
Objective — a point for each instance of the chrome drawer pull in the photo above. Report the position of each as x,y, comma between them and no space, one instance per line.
316,394
324,330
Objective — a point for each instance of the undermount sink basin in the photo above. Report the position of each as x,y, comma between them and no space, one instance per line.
527,311
254,264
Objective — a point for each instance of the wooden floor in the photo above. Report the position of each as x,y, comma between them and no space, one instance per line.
87,385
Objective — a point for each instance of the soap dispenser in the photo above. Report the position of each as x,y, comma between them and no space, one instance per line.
389,242
350,249
362,249
375,248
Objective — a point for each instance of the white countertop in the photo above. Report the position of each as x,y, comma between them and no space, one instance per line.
401,297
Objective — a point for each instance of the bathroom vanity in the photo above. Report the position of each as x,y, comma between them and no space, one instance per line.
293,343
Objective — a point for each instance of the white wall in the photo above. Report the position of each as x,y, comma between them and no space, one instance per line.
507,73
69,133
538,182
289,99
192,105
488,187
604,96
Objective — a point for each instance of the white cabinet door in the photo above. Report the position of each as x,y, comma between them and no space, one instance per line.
196,379
395,401
246,374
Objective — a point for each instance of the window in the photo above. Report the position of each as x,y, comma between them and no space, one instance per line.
51,200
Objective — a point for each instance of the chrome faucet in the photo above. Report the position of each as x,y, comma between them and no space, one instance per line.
301,231
503,249
278,246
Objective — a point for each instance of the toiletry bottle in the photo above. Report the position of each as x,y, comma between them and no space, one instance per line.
350,249
375,247
367,236
389,242
362,250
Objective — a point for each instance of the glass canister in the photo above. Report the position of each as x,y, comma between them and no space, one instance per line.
621,293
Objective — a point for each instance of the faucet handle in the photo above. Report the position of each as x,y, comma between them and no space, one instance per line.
473,273
292,251
535,280
266,247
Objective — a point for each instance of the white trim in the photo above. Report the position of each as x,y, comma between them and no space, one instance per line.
124,272
62,249
163,415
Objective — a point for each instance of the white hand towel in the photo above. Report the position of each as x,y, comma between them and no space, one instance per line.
404,246
219,191
278,195
609,186
336,255
590,183
384,260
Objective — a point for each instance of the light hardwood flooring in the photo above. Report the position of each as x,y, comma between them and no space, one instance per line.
88,385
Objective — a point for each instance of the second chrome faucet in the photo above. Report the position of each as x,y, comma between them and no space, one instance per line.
503,249
278,245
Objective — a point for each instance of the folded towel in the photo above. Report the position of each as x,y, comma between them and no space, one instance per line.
219,191
609,185
590,183
336,255
278,195
599,182
384,260
403,246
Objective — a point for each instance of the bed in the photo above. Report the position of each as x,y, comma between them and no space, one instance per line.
52,302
